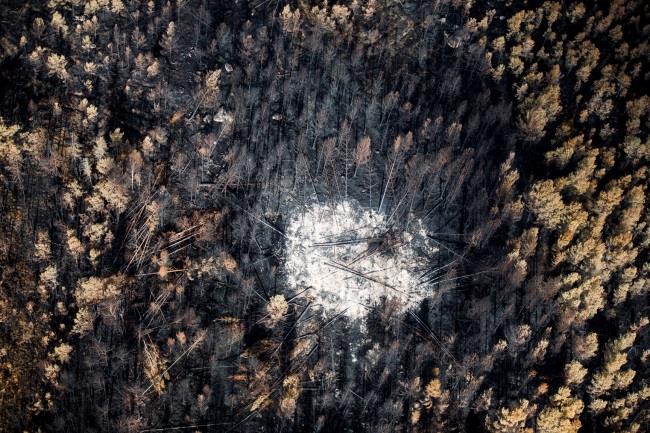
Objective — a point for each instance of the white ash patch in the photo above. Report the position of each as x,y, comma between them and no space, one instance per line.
350,258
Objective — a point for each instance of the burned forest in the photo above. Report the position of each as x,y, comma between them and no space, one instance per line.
307,216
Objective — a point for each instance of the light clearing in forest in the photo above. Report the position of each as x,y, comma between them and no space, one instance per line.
349,257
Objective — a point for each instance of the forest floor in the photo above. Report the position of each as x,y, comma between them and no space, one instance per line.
350,257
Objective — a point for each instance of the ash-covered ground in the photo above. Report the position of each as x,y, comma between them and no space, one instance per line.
349,257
